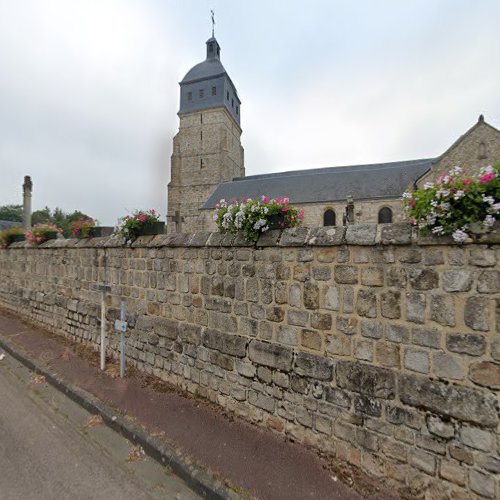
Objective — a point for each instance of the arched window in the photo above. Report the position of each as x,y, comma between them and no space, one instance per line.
385,216
329,218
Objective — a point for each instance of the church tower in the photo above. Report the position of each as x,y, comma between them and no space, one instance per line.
207,149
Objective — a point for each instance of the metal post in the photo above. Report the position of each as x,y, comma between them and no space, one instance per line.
122,341
103,328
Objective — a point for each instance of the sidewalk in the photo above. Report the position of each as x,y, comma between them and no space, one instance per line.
218,455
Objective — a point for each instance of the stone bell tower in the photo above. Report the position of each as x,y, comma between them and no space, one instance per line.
207,149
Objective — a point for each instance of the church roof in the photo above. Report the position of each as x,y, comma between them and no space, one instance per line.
7,224
379,180
210,68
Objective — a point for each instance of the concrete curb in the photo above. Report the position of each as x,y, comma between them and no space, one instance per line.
195,477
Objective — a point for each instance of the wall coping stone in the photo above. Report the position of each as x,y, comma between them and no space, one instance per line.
358,234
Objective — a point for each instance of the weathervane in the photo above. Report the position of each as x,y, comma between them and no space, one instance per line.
213,22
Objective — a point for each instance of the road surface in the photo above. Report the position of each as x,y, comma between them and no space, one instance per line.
51,449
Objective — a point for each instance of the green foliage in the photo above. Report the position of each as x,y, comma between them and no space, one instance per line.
254,217
8,236
43,232
58,217
456,205
13,213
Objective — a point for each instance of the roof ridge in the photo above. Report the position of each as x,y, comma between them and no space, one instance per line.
340,168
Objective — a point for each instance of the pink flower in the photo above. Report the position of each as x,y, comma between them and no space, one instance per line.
301,214
467,181
412,221
487,178
411,203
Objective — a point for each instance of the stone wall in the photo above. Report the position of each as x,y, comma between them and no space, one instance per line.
370,345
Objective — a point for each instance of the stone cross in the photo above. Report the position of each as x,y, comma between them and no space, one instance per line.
27,189
178,221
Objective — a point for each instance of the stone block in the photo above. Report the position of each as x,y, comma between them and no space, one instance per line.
372,276
388,354
322,273
415,307
330,298
464,403
482,256
293,237
472,344
461,454
366,379
364,350
367,405
269,238
321,321
396,276
338,397
395,234
439,427
361,234
271,355
226,343
397,333
261,401
190,333
416,360
390,304
339,345
476,438
443,310
459,280
424,279
393,449
489,281
275,313
347,324
346,274
297,317
288,335
366,303
311,339
310,365
476,313
481,483
311,295
452,471
423,461
485,373
372,329
322,236
427,337
447,366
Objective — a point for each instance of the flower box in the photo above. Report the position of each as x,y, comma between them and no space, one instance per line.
151,229
276,221
50,235
17,237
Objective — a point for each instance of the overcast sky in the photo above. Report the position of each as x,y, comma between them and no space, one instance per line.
89,88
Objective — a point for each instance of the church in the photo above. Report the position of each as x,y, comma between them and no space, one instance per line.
207,164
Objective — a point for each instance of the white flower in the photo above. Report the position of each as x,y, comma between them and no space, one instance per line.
489,220
407,195
266,210
456,170
459,236
459,194
428,185
489,199
438,230
487,170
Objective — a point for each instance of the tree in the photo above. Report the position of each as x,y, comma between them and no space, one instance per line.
12,213
41,216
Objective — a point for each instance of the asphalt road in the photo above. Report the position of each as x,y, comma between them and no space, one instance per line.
51,449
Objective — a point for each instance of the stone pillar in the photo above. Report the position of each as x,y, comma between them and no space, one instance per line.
27,188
